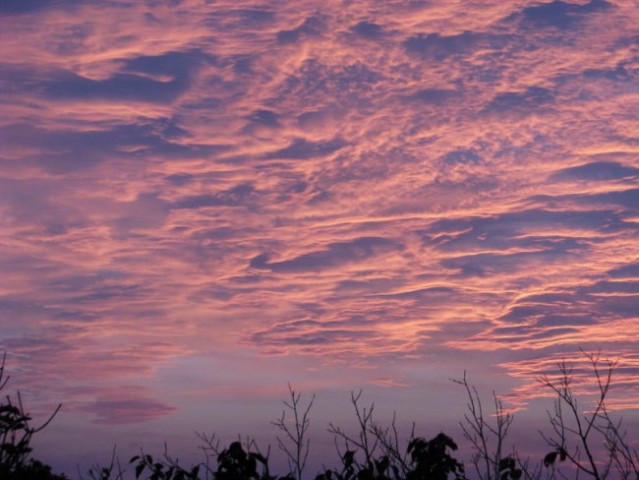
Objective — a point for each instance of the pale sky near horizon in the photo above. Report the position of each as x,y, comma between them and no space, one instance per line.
201,201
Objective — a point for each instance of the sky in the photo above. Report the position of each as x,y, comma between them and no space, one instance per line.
202,201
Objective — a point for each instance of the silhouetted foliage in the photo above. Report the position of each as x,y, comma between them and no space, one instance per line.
432,461
236,464
15,439
590,444
160,470
429,460
508,469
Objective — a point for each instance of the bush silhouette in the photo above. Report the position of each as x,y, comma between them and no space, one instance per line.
429,459
15,439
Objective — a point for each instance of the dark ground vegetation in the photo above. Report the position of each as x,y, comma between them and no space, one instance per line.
582,444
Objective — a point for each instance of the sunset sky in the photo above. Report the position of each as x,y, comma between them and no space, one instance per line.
201,201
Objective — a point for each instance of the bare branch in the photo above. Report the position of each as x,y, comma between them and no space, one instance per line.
296,445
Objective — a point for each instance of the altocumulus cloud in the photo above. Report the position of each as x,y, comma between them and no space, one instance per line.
274,187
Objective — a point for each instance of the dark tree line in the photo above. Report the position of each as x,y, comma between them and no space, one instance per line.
590,444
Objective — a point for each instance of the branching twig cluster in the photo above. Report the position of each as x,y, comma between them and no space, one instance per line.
380,445
592,442
296,444
488,439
